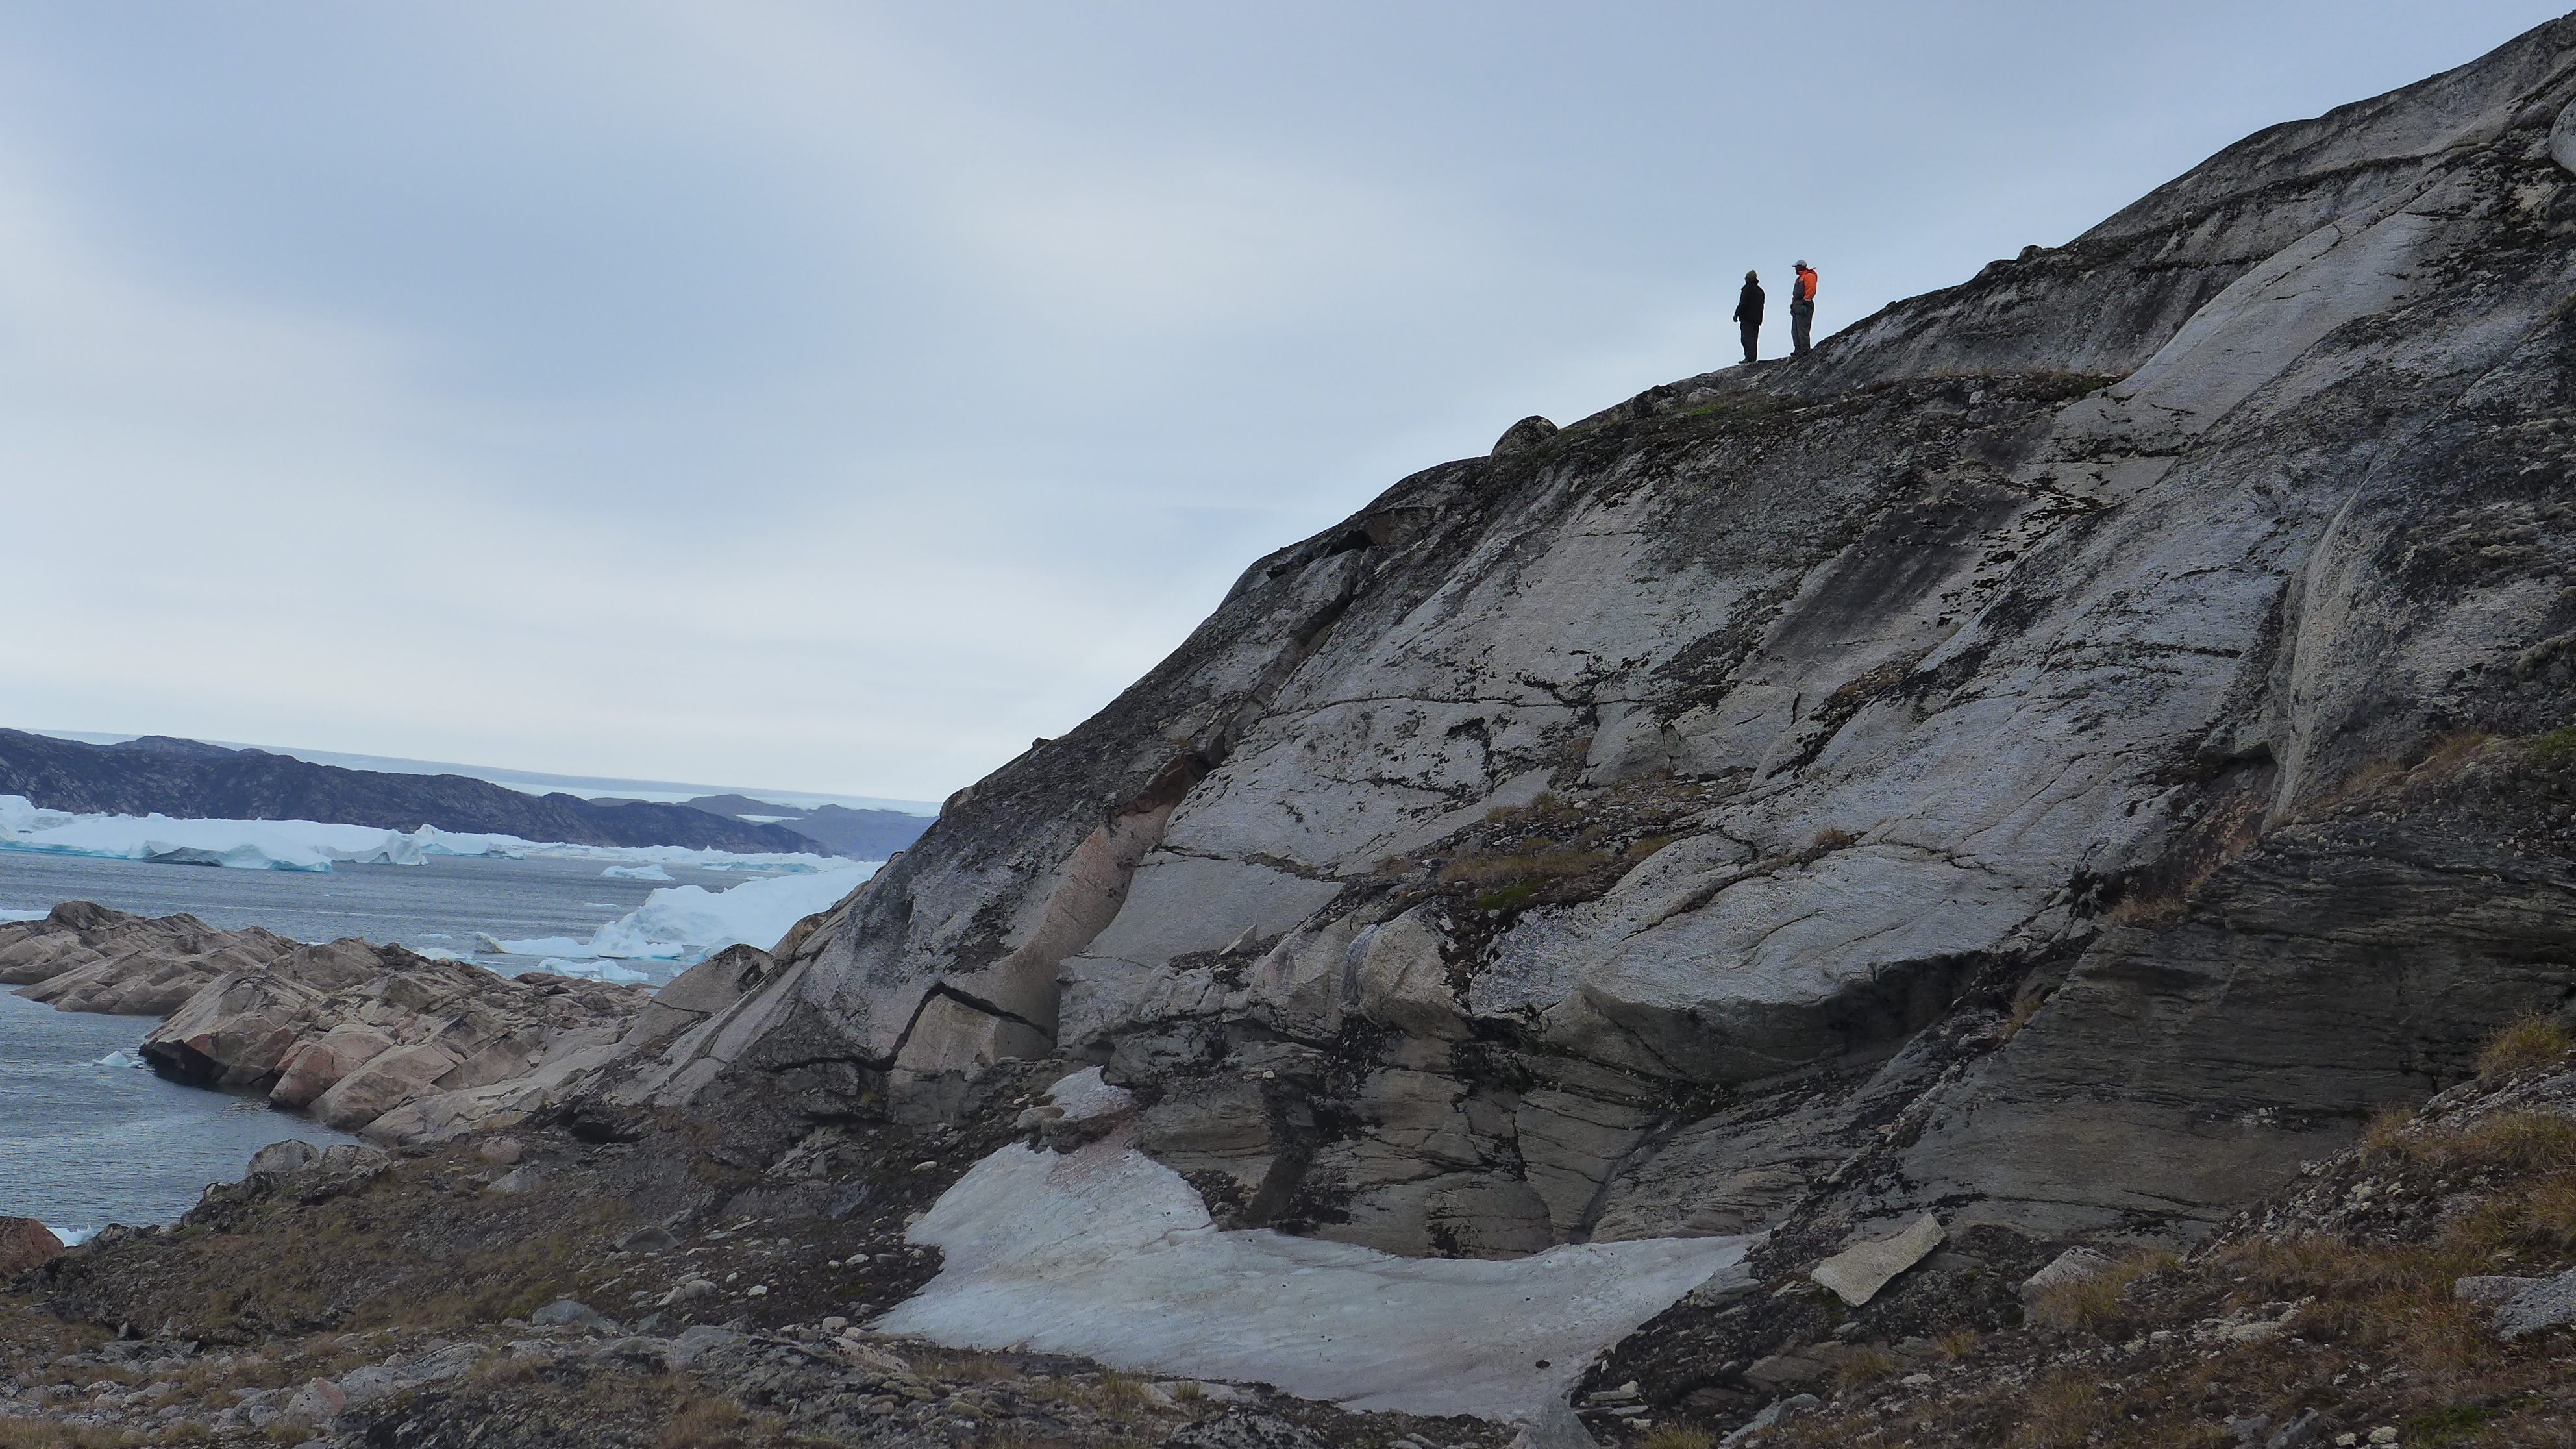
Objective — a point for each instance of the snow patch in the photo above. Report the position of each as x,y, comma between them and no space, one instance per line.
690,923
1105,1253
317,846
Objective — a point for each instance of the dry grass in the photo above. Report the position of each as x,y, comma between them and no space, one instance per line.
2025,1007
1867,1366
1957,1344
1827,841
1543,865
2525,1045
2097,1303
2062,1410
2387,1130
709,1422
27,1434
2515,1142
1679,1436
358,1262
2393,1302
1119,1398
2144,907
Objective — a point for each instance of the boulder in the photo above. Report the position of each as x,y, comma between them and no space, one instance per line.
283,1159
383,1084
319,1064
1857,1273
566,1313
317,1403
2535,1305
697,1342
24,1244
1773,1414
2072,1266
1524,435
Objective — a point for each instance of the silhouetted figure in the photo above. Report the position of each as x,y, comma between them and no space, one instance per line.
1748,314
1802,308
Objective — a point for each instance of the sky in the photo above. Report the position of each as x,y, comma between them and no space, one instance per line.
837,396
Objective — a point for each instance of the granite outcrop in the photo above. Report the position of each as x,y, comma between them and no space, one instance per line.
1967,765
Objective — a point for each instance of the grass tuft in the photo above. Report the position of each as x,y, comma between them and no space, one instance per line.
2096,1303
2532,1042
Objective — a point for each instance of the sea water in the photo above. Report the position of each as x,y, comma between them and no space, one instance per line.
437,905
86,1141
87,1138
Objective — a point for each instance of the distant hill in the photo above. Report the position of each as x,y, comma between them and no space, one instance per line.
861,834
188,778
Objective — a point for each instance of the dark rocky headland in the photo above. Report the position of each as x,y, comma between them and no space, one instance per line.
2057,809
191,779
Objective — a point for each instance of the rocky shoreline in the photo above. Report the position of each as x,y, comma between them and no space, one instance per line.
369,1039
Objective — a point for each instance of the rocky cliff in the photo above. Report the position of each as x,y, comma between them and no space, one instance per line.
2062,751
191,779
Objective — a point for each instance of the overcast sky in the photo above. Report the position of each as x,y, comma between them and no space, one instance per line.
836,396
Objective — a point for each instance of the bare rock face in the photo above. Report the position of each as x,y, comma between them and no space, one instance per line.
24,1244
85,957
2064,750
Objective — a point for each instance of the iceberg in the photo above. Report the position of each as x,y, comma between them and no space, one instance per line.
636,872
591,970
9,914
690,923
314,845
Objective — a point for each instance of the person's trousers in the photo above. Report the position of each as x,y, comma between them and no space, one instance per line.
1752,338
1802,316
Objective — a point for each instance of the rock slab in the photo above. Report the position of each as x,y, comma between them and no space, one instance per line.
1857,1273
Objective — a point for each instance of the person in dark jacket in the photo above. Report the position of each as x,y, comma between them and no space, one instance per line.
1748,313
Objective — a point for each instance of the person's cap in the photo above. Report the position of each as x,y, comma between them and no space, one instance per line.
1749,276
1802,261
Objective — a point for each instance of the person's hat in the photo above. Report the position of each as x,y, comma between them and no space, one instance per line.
1802,264
1752,277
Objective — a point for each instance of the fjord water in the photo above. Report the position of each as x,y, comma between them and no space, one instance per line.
85,1142
436,905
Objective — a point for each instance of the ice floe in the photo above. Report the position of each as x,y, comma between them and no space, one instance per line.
689,923
591,969
315,845
636,872
1105,1253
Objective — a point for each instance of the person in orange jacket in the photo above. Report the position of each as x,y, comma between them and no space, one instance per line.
1802,307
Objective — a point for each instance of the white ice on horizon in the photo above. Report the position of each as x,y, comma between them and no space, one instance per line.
1105,1253
690,923
317,846
11,914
